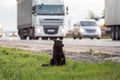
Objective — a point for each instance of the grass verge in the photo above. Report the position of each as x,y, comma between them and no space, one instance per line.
16,64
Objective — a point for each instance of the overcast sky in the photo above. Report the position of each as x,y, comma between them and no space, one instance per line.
78,9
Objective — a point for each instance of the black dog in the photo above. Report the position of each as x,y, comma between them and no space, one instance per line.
58,54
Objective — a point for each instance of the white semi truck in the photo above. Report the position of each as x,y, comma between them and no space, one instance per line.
112,17
41,18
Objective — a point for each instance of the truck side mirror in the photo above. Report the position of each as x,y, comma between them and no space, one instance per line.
33,9
67,10
33,12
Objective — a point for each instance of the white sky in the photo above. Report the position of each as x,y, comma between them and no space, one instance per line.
78,9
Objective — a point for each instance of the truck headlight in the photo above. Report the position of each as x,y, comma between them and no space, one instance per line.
38,30
62,30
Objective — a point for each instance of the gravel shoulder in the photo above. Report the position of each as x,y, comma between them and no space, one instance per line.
79,53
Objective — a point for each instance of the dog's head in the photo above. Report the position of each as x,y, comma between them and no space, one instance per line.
58,46
58,43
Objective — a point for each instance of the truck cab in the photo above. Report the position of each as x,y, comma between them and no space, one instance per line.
48,18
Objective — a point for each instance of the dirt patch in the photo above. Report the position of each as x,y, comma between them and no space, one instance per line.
79,53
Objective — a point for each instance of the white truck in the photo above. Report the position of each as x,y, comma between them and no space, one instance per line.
1,30
41,18
112,17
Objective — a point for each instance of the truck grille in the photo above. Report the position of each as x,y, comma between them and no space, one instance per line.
90,30
51,29
52,22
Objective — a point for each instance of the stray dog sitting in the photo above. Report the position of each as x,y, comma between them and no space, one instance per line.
58,54
58,57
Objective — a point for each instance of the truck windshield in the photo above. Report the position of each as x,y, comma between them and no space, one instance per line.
50,9
88,23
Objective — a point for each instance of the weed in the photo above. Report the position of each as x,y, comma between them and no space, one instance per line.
91,51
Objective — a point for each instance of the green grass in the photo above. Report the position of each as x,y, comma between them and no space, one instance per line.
16,64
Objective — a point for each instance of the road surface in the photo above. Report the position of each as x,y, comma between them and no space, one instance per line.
71,42
75,49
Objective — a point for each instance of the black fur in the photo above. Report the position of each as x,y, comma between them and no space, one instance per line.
58,54
58,57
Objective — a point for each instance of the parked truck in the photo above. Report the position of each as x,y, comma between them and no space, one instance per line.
112,17
41,18
1,30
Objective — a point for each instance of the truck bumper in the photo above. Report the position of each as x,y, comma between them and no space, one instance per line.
50,32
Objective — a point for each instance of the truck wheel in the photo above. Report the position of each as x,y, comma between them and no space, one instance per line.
21,34
55,38
30,38
113,33
51,38
80,37
23,37
44,38
119,33
74,37
61,38
35,38
98,38
91,38
31,34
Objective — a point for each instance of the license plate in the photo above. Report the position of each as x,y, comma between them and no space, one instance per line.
51,30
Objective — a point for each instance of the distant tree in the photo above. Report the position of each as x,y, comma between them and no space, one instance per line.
91,15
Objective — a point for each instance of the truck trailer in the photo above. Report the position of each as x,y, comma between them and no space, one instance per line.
41,19
112,17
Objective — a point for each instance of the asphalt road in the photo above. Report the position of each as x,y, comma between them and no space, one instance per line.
71,42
